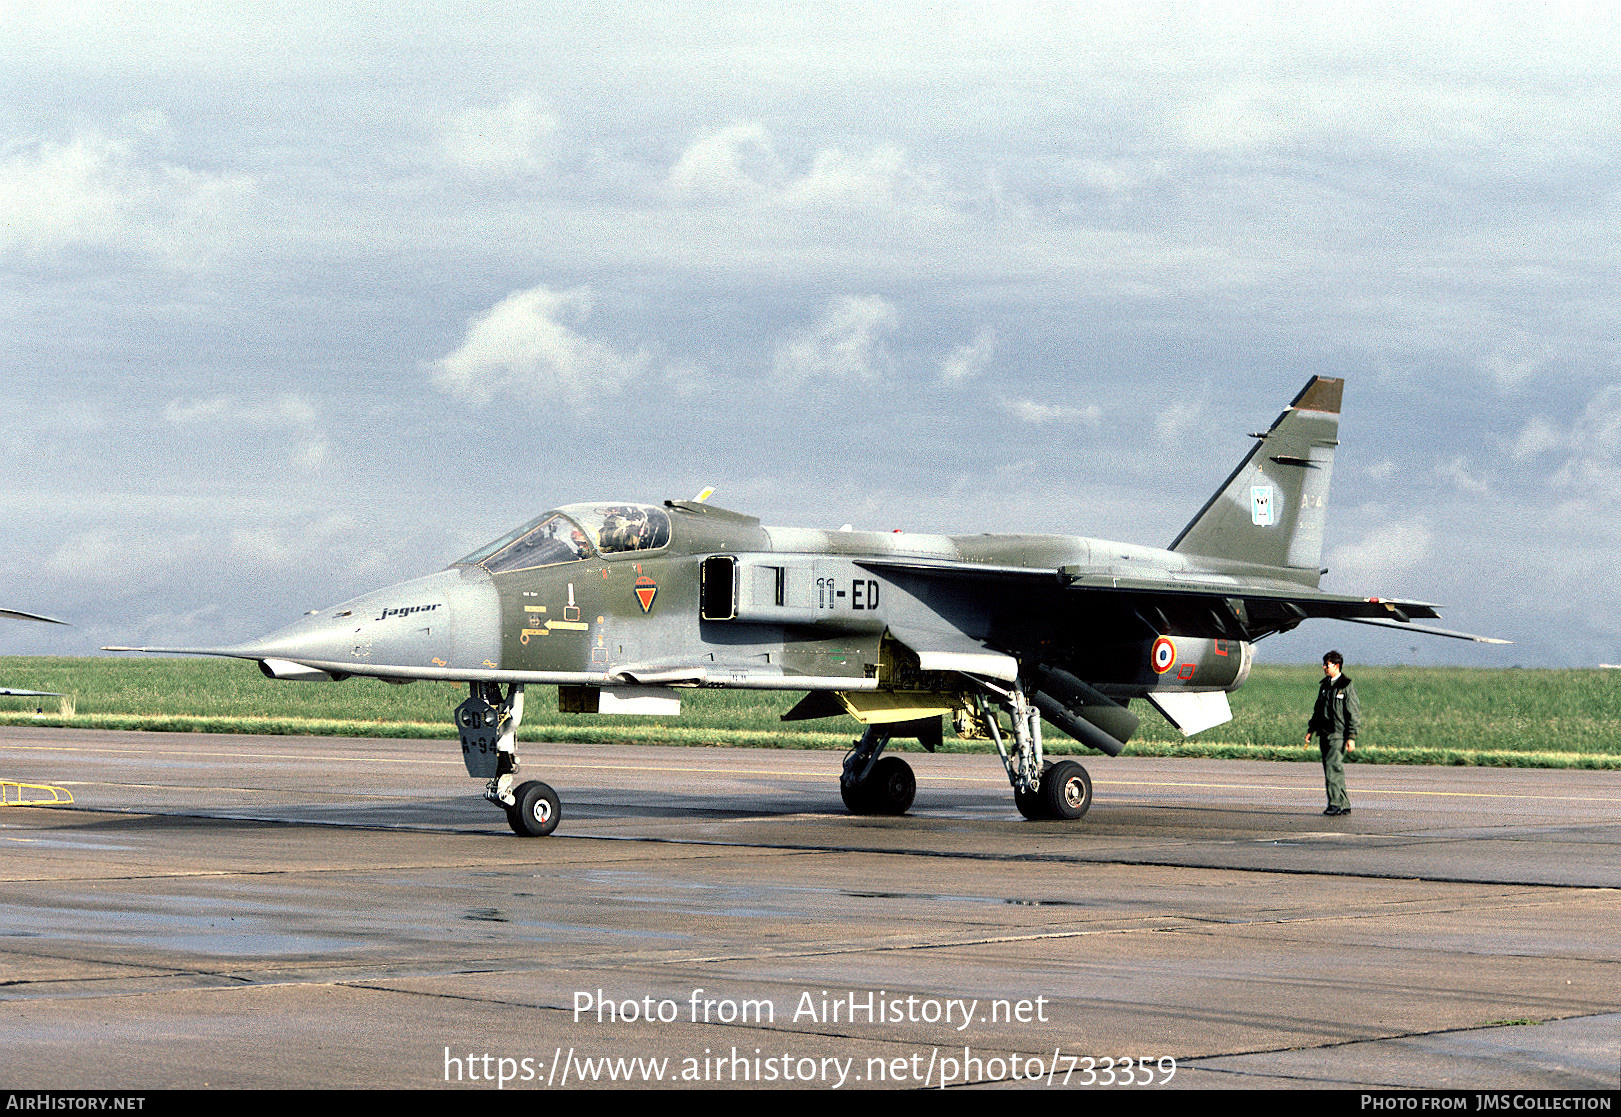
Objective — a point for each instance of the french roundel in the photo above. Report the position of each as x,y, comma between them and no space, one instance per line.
1163,655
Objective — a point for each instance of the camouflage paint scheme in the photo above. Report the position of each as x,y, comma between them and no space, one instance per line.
623,604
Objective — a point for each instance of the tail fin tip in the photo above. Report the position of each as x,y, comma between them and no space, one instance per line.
1321,393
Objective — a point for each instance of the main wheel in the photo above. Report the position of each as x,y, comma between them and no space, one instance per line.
857,796
1033,805
892,786
535,812
1066,790
888,789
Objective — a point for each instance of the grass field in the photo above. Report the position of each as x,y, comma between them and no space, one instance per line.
1413,715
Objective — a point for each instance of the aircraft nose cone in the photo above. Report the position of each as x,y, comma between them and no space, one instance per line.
444,620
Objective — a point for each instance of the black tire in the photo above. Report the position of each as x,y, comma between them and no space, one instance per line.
536,811
1066,790
892,786
1033,805
857,796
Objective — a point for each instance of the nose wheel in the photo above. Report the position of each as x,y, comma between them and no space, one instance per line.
535,810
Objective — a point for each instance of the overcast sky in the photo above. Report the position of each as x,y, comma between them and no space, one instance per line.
303,299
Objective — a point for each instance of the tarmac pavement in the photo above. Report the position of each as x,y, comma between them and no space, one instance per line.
233,911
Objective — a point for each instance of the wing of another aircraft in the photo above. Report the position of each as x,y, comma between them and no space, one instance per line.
19,616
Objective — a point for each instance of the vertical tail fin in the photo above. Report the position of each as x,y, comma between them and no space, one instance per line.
1272,509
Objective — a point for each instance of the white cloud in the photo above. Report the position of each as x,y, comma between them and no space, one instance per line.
291,546
1536,438
530,344
511,138
1179,420
288,409
847,344
94,554
1594,466
881,179
1588,451
729,164
1598,431
101,193
1388,555
1029,411
306,446
1458,472
1515,361
739,165
968,361
1353,108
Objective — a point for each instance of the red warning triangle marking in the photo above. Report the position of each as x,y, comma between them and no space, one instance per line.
646,590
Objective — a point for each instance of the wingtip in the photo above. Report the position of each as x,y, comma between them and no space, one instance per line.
19,615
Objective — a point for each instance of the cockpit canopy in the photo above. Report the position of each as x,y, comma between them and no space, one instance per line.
575,532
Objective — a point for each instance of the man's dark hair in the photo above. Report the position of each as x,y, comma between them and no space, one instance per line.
1335,658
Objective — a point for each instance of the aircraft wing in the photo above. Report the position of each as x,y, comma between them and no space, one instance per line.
17,615
1278,608
1259,606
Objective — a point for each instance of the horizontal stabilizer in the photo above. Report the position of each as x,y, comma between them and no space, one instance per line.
1407,626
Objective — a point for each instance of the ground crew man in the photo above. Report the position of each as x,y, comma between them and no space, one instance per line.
1335,721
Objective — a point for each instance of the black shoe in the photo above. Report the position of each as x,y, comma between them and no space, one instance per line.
1332,809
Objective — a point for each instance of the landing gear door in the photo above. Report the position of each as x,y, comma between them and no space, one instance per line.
478,723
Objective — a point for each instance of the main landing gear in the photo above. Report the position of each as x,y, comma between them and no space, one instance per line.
488,726
1041,790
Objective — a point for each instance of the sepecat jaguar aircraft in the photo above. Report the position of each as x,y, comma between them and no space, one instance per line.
621,606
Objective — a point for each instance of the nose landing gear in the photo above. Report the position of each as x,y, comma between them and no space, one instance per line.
488,726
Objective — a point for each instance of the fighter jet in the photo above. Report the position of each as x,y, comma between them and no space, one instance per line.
7,692
624,605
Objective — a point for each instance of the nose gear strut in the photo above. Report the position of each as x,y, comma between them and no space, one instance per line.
488,726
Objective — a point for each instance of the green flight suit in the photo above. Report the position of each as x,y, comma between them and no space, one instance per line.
1335,719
